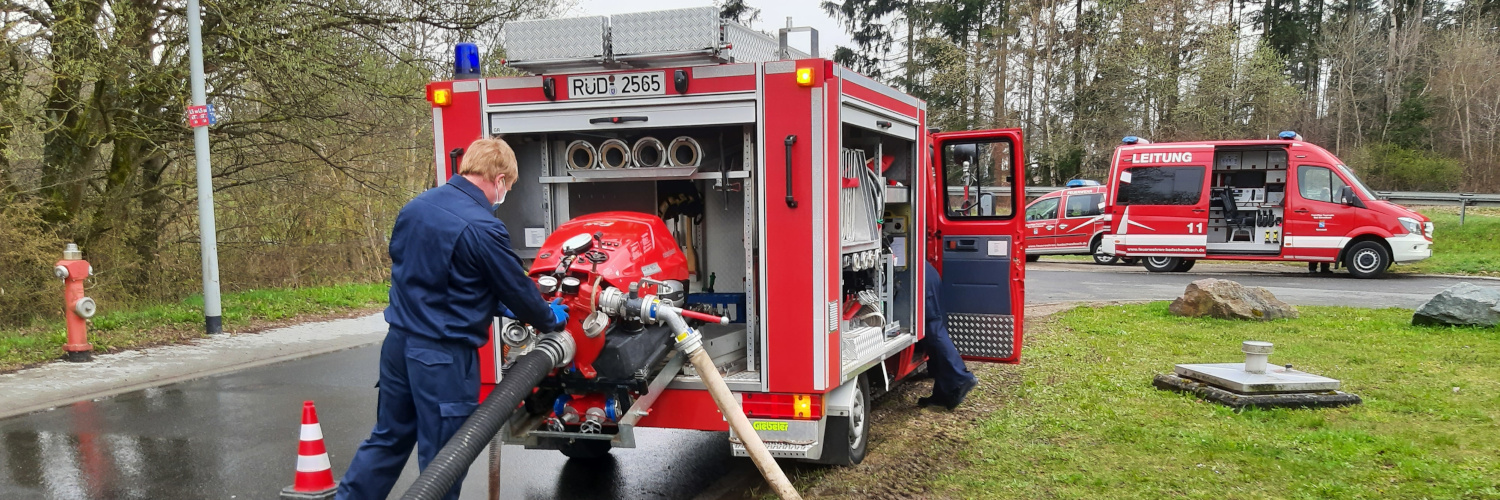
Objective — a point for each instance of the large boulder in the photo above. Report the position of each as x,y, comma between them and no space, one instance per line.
1230,300
1464,304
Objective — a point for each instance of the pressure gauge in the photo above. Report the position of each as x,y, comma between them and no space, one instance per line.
578,244
547,284
570,285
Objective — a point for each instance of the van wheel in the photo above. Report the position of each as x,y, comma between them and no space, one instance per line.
1162,264
1367,259
586,449
1103,259
846,439
1185,266
1033,258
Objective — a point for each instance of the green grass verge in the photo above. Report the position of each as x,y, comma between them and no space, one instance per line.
115,329
1086,423
1473,248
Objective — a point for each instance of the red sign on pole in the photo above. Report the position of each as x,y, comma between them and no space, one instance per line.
200,116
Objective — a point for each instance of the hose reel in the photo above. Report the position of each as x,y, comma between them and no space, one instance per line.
581,155
614,153
684,151
649,153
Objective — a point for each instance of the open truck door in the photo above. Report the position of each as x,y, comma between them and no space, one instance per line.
976,239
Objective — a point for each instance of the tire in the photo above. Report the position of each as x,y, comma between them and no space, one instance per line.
1162,264
846,439
586,449
1032,258
1102,259
1367,259
1185,266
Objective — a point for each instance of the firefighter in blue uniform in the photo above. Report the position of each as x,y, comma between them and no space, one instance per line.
951,380
452,270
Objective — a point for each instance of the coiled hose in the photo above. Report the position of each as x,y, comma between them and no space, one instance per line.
461,450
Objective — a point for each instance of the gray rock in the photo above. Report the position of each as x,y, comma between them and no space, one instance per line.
1464,304
1230,300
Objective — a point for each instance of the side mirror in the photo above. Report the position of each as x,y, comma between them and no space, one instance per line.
965,152
1347,197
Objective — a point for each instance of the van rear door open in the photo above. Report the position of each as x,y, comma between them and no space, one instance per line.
1162,202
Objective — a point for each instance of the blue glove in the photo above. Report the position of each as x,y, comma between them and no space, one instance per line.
559,312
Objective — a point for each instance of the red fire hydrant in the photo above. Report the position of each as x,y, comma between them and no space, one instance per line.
72,269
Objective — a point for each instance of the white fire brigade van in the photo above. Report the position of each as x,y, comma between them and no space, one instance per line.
1266,200
803,196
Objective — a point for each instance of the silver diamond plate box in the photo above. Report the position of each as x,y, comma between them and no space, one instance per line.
547,39
983,335
677,30
749,45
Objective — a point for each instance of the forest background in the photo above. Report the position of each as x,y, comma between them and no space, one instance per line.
323,132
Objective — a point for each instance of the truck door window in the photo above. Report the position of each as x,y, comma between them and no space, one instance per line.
1043,210
1085,205
978,178
1162,186
1316,183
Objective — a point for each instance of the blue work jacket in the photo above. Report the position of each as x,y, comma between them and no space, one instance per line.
452,269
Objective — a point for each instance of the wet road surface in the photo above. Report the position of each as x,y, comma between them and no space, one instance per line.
235,436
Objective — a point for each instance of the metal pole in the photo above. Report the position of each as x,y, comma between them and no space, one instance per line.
213,320
1463,209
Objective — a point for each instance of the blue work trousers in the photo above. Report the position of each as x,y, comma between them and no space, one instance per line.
427,389
943,362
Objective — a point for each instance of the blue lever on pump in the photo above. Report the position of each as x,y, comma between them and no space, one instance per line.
465,61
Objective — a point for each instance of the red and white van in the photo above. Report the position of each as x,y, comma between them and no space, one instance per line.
1268,200
1068,222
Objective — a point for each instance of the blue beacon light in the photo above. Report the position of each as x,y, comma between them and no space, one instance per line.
1288,135
465,61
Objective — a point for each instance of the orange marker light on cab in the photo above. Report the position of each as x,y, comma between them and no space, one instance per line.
442,97
805,77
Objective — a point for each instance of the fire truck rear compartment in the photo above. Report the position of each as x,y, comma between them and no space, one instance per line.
708,208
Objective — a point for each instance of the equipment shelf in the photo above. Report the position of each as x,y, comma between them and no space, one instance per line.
641,174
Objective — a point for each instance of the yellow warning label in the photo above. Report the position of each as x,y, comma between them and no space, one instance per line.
768,426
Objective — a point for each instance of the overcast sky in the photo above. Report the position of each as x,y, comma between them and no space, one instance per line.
773,14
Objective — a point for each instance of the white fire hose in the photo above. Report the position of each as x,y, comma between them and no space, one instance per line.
690,344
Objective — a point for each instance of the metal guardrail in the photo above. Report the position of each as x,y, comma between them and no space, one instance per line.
1461,200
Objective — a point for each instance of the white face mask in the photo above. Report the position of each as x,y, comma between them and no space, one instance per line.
499,196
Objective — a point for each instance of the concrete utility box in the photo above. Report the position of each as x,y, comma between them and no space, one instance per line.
1255,383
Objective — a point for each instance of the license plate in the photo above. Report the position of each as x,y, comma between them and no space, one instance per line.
617,85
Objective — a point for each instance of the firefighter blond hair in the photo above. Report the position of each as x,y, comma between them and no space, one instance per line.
488,158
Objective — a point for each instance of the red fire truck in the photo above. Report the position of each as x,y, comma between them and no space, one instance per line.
678,154
1265,200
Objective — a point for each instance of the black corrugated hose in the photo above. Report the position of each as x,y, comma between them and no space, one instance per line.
461,450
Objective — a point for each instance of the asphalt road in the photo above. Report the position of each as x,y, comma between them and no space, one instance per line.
1049,282
235,435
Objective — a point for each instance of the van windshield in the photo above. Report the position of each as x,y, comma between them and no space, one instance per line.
1364,192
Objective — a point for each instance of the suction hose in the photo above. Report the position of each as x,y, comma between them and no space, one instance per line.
553,350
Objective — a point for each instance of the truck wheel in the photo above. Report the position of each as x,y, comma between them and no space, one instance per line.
1185,266
1033,258
1162,264
586,449
1367,259
846,439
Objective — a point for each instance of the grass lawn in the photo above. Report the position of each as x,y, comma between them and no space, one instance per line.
1079,418
1473,248
116,329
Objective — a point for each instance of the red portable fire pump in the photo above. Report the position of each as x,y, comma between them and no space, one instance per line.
783,205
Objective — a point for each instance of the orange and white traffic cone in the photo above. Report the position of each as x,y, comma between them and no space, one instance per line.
314,473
